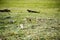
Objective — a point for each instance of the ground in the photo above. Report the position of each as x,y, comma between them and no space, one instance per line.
43,26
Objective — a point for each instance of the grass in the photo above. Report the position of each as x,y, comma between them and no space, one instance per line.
40,28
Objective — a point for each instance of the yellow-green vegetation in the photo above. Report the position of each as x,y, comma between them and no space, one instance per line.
22,25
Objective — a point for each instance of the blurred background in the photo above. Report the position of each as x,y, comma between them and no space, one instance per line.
19,24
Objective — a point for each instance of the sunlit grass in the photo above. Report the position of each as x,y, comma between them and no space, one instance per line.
35,29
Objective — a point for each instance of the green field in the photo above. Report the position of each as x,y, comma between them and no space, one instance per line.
43,26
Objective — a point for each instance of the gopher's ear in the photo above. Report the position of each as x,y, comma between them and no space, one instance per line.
27,9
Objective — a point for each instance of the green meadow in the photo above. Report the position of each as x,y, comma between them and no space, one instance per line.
36,26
